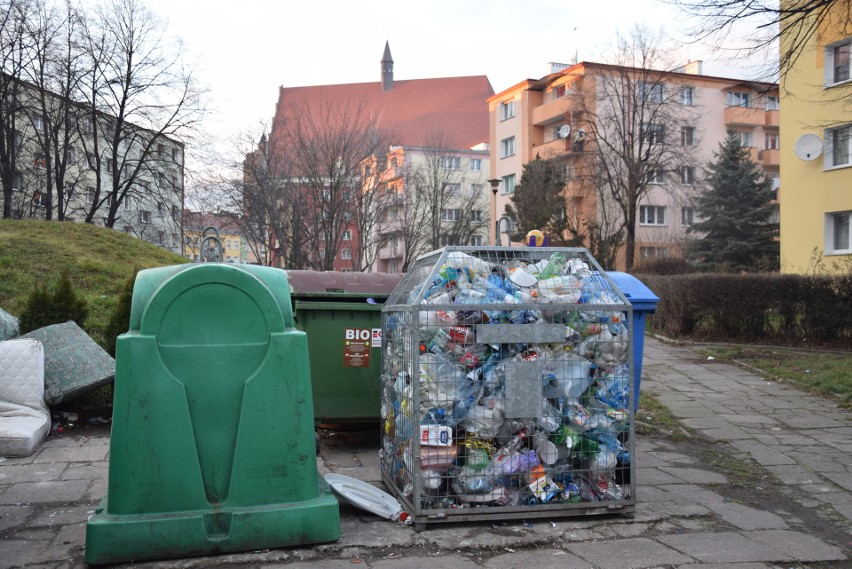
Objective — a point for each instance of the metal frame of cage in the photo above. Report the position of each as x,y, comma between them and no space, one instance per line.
421,425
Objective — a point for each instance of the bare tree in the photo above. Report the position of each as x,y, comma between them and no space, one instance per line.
15,51
372,205
138,92
631,114
799,20
328,144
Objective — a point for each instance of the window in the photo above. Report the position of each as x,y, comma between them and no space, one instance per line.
39,160
90,195
92,160
40,199
451,163
69,190
37,121
507,147
175,240
144,216
347,235
561,90
394,268
839,142
448,240
745,137
652,252
346,253
477,241
176,155
452,189
687,96
508,185
507,110
161,237
126,201
17,182
687,135
838,233
687,216
476,189
837,62
394,244
476,164
652,133
450,214
71,155
738,99
772,141
651,92
476,215
161,150
652,215
687,175
772,103
566,173
654,176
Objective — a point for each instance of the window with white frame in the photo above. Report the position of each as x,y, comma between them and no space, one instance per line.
652,133
653,252
394,268
476,164
839,142
126,201
452,189
738,99
90,195
687,216
744,137
654,176
17,182
687,136
837,62
450,214
346,253
347,235
69,190
40,199
687,96
838,233
507,110
652,215
477,241
38,122
772,103
508,184
651,92
772,141
687,175
507,147
394,244
476,215
561,90
450,163
144,216
449,240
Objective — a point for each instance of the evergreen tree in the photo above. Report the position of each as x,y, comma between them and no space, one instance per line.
43,308
37,311
538,203
119,321
733,231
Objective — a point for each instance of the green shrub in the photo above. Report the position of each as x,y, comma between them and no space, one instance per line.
43,308
119,321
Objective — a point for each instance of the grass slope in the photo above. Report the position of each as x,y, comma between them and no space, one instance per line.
98,261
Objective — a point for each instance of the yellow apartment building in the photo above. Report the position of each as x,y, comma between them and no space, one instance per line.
816,156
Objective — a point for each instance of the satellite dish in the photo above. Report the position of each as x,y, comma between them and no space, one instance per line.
564,131
808,147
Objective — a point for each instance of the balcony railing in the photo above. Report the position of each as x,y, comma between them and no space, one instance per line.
747,116
551,112
773,118
770,157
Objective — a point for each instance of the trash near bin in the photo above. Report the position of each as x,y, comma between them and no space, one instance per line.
506,387
643,301
341,315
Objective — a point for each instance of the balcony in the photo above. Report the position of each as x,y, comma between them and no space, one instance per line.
744,116
551,112
773,118
753,153
389,253
556,147
770,157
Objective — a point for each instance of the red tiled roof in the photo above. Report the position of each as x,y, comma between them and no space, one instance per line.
413,110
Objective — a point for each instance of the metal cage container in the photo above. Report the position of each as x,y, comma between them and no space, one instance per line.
506,387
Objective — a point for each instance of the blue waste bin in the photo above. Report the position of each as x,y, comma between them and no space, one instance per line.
644,301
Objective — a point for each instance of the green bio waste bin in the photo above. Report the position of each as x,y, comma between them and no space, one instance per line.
341,315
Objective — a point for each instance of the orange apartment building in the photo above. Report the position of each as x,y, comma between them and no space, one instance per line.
408,113
529,119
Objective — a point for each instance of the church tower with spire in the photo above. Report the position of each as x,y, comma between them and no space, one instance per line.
387,69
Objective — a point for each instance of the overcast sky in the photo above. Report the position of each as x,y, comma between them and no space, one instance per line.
244,50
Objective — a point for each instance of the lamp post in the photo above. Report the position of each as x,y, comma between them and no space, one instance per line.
495,182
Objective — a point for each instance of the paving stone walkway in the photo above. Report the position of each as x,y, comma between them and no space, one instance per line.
759,479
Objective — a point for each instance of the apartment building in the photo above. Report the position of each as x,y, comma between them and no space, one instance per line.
688,114
440,189
148,167
414,117
198,226
816,158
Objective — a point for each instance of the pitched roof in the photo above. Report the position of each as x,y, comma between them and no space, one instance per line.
413,110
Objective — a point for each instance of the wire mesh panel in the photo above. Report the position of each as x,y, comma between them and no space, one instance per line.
506,386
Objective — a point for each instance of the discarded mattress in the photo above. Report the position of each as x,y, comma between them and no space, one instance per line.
9,326
24,416
73,362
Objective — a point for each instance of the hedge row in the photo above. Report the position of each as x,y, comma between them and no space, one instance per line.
796,310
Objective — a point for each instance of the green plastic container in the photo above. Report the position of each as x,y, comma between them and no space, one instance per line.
341,315
212,439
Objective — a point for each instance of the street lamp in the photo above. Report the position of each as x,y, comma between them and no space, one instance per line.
498,229
495,182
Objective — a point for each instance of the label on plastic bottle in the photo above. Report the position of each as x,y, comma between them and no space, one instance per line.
436,435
